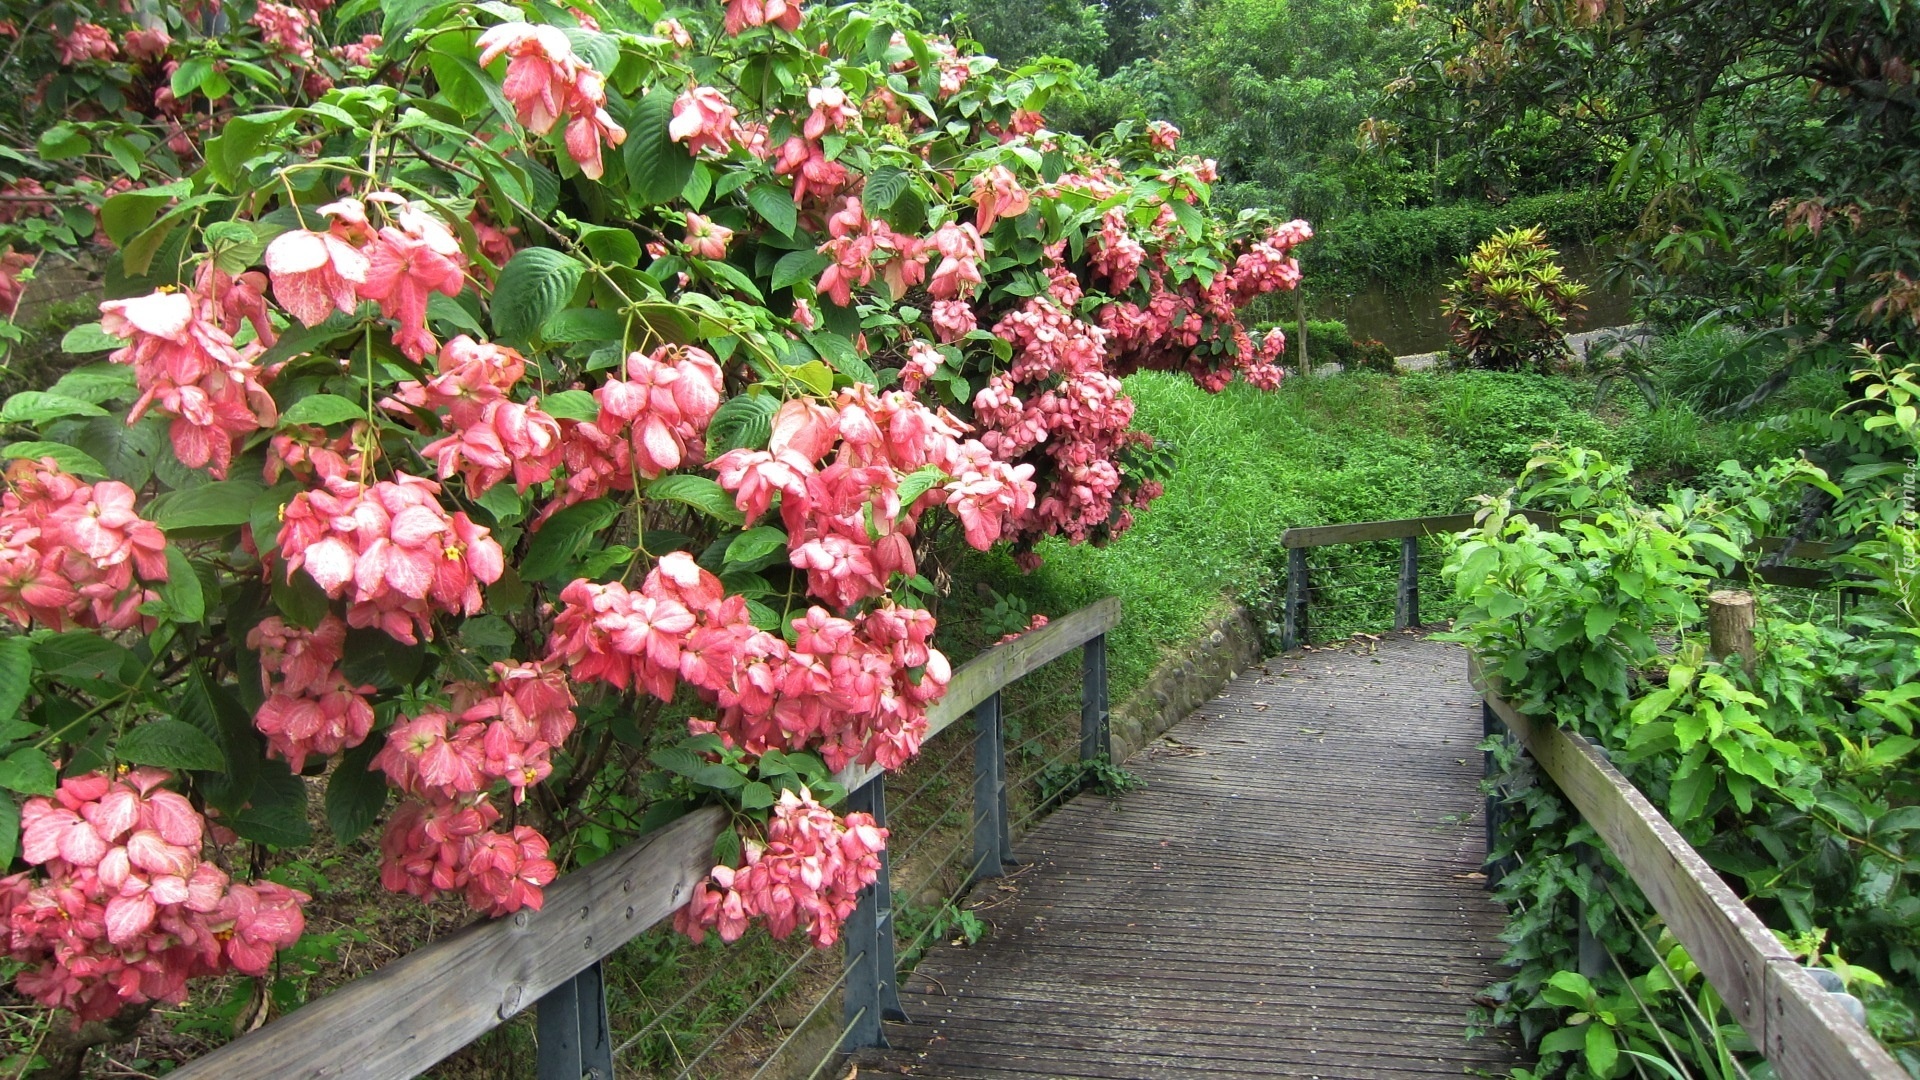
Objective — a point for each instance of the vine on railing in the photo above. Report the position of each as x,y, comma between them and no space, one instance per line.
1789,770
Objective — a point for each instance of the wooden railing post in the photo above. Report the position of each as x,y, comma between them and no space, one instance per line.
992,846
1293,620
575,1040
872,992
1096,741
1489,726
1406,608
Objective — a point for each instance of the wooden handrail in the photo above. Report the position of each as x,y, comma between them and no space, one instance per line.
1795,1023
403,1018
1295,629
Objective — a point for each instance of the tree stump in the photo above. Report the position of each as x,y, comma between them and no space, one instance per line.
1730,624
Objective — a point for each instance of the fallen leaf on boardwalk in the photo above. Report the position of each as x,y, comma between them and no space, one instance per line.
1259,705
1311,731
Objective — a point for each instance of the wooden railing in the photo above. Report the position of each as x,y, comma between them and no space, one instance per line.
1296,627
1799,1027
408,1015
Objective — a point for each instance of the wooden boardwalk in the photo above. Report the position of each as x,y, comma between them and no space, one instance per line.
1294,893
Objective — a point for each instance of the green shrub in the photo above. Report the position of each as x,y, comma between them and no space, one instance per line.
1712,367
1510,306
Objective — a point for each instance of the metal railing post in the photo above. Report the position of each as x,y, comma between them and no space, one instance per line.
1592,951
1406,608
1490,724
992,847
872,991
574,1038
1293,619
1096,739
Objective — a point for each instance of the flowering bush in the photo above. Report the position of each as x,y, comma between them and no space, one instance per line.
498,395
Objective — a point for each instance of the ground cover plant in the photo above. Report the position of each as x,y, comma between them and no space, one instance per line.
498,400
1791,771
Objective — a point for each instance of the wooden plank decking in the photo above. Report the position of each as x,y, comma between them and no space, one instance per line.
1294,893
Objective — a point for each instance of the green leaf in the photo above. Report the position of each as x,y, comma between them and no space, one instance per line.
300,599
489,635
617,246
1602,1052
40,406
883,188
90,338
802,265
62,141
29,771
918,483
356,793
170,744
1189,218
449,310
71,461
562,537
324,409
750,547
657,167
756,796
571,405
743,422
97,383
684,762
726,848
181,591
212,710
700,493
536,283
1569,989
16,676
277,812
774,204
80,655
570,325
188,76
1566,1040
220,504
9,830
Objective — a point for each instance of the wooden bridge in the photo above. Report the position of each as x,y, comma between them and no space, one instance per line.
1296,891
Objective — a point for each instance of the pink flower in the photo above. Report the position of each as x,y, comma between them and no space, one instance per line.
742,14
87,41
358,53
703,119
315,274
705,239
74,553
547,82
831,112
997,194
506,438
147,44
807,876
391,550
406,264
1163,136
120,910
284,27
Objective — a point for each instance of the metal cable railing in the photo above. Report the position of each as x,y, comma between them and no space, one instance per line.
945,838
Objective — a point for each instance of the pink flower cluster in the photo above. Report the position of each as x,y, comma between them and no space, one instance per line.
87,41
808,876
122,909
491,436
996,194
861,247
817,181
285,28
74,554
547,82
443,839
392,550
704,120
649,422
311,708
741,14
185,361
399,266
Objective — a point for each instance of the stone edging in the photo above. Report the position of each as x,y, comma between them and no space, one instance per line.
1228,643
